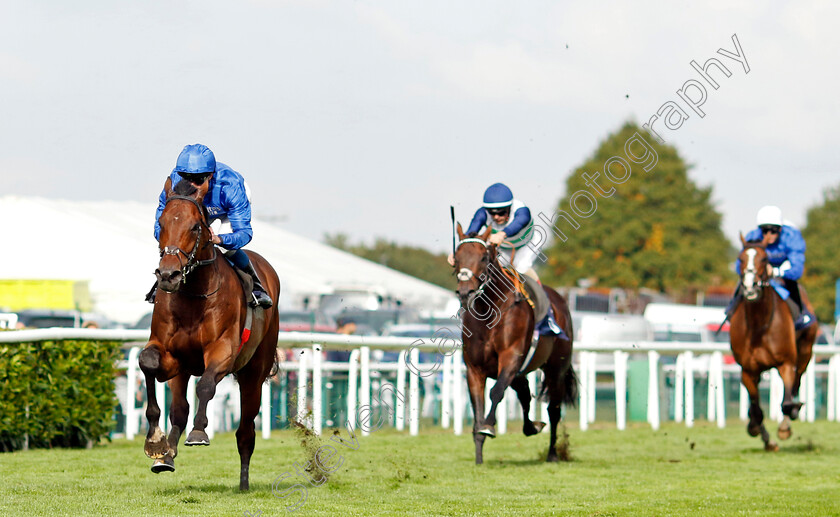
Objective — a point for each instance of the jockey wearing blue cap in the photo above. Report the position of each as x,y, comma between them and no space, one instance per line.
512,227
786,254
228,202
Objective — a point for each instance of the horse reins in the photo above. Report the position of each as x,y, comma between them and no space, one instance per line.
192,263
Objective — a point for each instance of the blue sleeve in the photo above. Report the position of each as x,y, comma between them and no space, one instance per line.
795,248
478,220
161,204
521,218
239,213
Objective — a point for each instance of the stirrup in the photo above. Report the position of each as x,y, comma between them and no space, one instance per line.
260,299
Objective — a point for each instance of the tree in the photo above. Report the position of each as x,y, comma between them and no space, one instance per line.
411,260
822,262
635,227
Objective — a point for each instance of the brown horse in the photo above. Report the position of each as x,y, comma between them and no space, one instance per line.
497,331
198,328
762,336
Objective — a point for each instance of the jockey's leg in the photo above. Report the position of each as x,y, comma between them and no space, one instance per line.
150,296
733,303
802,317
240,260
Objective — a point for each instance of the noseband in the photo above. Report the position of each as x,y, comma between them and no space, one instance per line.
192,263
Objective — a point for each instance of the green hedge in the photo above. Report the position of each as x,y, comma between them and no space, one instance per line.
68,387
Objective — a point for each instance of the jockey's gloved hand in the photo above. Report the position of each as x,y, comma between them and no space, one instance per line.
497,238
451,259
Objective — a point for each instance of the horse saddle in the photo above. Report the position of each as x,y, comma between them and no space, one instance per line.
538,299
254,321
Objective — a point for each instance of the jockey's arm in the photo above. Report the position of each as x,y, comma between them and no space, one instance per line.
521,218
161,204
478,221
239,215
795,257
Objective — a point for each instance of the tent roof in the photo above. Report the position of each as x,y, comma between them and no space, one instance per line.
111,245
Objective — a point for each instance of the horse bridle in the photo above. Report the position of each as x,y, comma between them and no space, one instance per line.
760,284
192,263
465,274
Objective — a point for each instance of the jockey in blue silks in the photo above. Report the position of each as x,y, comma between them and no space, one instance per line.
228,204
786,254
512,231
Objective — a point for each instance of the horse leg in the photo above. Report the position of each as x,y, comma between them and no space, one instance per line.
178,416
151,363
497,392
790,409
249,397
523,391
205,388
756,425
554,414
476,381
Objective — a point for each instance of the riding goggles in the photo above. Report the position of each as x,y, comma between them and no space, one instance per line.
770,229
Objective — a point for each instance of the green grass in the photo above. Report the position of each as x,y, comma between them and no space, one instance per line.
674,471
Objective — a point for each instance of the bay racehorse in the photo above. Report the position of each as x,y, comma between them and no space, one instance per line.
200,327
497,328
762,336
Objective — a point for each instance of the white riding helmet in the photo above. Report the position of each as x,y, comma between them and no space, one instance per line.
769,215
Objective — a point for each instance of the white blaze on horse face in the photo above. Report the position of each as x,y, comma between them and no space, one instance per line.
464,275
749,273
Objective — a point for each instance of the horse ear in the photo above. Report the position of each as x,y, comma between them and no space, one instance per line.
486,234
461,234
743,241
167,187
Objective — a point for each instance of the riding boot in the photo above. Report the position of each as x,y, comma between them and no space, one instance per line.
150,296
733,303
802,317
259,294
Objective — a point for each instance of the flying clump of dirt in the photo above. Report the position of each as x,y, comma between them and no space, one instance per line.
310,442
564,447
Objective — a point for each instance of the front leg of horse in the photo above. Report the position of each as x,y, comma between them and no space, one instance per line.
755,426
790,408
156,445
476,381
205,389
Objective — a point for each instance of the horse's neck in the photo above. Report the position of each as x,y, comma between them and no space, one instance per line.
500,287
758,313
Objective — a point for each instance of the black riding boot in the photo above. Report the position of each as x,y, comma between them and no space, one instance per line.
260,296
802,317
150,296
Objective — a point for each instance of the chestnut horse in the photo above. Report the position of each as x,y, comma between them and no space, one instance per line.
497,330
762,336
197,329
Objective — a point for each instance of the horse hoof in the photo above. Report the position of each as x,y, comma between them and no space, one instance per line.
552,458
754,430
488,430
784,431
539,426
156,446
792,410
771,447
197,437
164,464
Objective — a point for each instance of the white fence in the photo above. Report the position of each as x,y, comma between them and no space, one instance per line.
592,359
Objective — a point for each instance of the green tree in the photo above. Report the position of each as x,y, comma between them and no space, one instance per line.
658,229
822,264
411,260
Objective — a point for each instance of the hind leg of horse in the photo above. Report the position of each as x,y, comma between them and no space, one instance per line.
790,409
476,381
756,424
249,397
205,388
554,414
152,364
523,391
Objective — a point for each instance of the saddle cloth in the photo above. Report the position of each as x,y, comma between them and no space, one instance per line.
537,296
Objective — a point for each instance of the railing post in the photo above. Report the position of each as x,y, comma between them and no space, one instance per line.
653,389
679,388
160,395
811,385
352,387
399,405
129,406
446,393
317,392
303,374
457,393
777,390
265,409
191,401
689,389
831,396
620,359
583,390
414,394
364,398
592,404
720,390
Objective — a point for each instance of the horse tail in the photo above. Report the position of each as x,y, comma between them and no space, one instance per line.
570,391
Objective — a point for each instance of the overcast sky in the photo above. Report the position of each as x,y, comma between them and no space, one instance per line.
371,118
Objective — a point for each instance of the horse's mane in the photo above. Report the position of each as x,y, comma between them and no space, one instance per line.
472,235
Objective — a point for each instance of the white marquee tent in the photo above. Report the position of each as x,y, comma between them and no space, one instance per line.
111,245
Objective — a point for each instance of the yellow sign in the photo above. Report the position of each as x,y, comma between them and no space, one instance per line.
16,295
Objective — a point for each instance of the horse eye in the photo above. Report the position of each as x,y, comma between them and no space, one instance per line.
196,228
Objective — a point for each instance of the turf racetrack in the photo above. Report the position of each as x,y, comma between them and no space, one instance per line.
674,471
